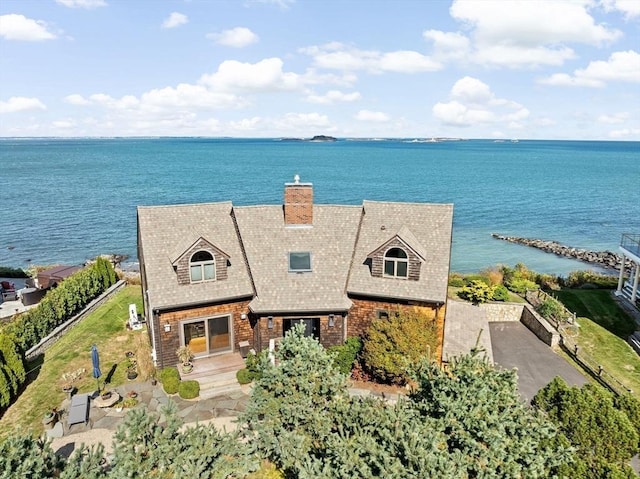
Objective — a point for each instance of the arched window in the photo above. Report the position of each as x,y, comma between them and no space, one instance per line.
202,267
396,263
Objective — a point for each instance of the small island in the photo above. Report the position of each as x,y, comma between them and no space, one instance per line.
315,139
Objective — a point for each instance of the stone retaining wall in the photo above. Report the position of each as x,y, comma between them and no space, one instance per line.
57,333
524,313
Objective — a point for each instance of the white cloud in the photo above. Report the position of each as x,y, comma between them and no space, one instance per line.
519,33
448,45
302,122
616,118
187,96
264,76
625,133
236,37
373,116
76,99
472,103
20,103
631,8
334,96
621,66
175,20
337,56
82,3
63,124
19,27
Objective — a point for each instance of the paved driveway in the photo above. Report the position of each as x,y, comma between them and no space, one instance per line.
514,346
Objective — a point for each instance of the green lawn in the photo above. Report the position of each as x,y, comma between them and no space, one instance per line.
604,328
106,327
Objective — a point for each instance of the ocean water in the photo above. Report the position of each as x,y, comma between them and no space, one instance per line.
68,200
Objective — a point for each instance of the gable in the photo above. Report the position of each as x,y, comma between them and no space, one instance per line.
182,262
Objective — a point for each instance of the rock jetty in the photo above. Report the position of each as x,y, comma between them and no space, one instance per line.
605,259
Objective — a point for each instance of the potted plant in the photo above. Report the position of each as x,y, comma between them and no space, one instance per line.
50,417
132,369
185,356
69,378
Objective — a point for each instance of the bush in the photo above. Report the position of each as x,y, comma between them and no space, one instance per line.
456,281
7,272
168,373
550,308
500,293
582,279
171,385
244,376
253,362
345,354
477,292
521,285
189,389
394,345
473,278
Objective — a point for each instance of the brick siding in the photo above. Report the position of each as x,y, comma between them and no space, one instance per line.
298,204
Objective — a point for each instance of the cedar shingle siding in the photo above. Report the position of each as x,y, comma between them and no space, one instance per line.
251,246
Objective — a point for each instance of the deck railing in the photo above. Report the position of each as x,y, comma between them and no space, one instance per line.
631,242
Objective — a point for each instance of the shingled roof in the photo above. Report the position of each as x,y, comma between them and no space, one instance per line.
166,231
339,240
429,225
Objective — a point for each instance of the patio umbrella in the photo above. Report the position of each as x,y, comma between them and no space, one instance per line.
95,359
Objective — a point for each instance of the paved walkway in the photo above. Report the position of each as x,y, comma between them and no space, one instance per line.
462,327
103,422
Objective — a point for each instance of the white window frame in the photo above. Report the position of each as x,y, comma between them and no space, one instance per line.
305,270
201,266
395,262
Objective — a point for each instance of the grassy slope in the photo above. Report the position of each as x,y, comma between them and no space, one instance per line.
106,327
603,329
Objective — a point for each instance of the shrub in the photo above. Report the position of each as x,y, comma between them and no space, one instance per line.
244,376
189,389
471,279
477,292
494,275
12,371
168,373
550,308
500,293
7,272
345,354
521,285
171,385
581,279
394,345
253,362
456,281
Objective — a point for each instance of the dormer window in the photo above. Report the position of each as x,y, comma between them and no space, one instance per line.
299,262
396,263
202,267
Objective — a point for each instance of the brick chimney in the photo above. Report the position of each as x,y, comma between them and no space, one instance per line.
298,203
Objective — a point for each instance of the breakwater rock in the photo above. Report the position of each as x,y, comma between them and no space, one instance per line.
606,259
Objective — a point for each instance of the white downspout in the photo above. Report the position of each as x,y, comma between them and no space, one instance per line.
151,316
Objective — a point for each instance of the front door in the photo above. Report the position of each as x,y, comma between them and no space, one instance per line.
208,336
311,326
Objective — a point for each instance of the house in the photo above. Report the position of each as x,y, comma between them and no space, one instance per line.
217,276
630,249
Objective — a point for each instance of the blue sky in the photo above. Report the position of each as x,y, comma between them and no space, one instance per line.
545,69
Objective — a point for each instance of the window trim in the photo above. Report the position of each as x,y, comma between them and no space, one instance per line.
300,270
201,266
395,261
